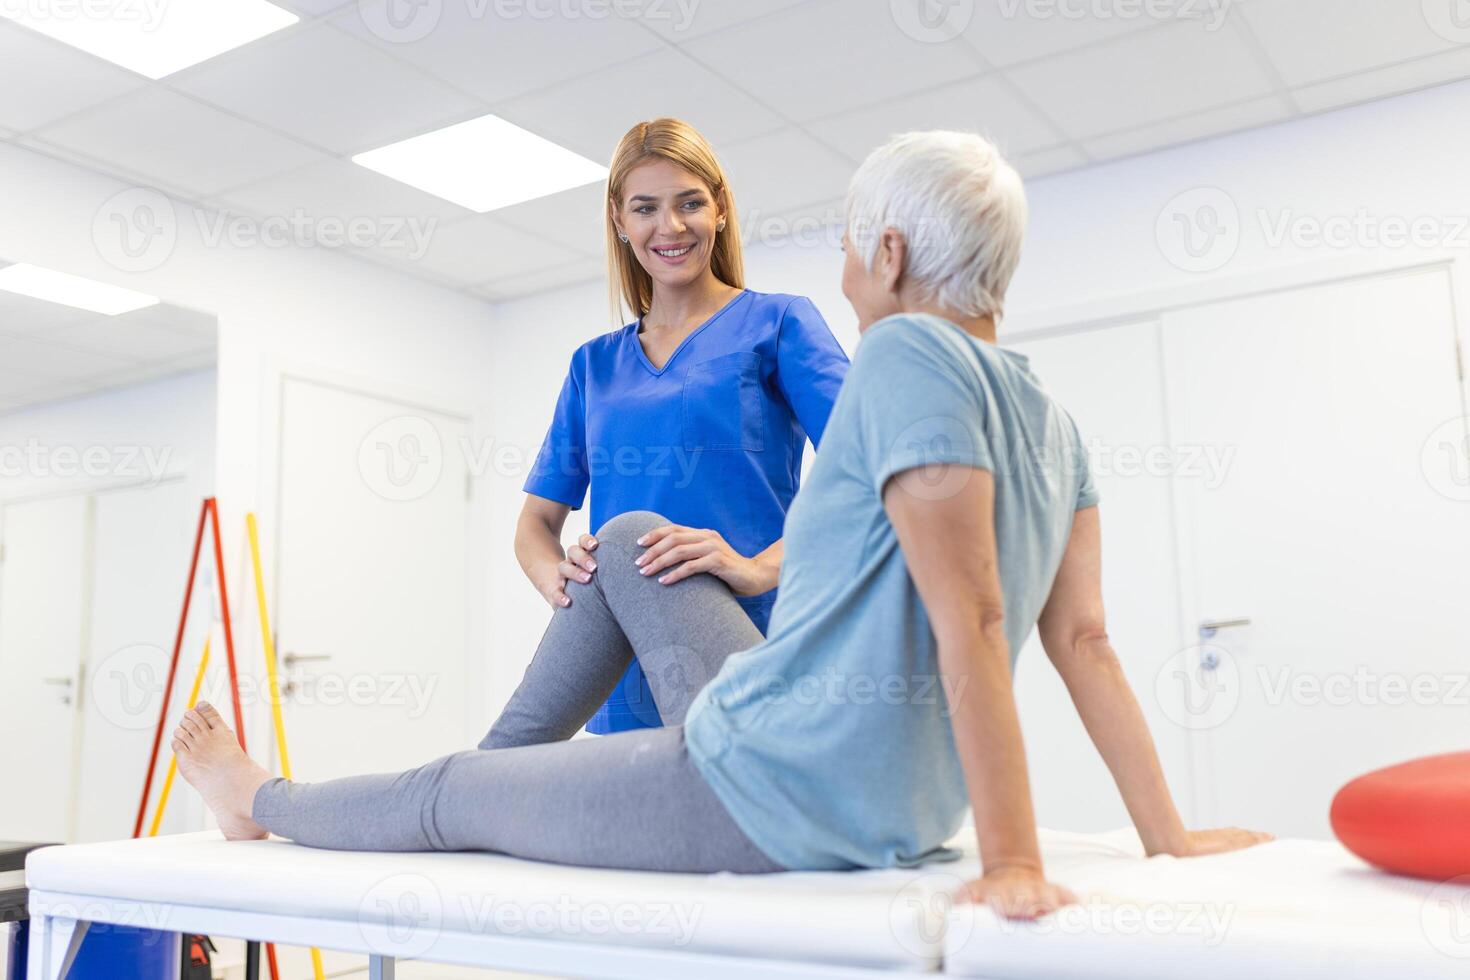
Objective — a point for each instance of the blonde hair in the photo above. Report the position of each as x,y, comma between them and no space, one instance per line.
629,284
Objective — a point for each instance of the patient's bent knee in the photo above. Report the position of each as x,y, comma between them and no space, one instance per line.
627,528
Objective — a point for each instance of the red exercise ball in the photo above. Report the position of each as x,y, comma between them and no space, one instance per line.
1412,818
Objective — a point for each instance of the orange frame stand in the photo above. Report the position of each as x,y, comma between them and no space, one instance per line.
208,511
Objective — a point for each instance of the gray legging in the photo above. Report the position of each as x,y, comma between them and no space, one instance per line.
631,800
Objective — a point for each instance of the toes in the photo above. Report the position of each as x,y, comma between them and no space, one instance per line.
206,712
192,724
182,738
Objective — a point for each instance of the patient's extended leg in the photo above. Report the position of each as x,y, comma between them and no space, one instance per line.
681,634
211,761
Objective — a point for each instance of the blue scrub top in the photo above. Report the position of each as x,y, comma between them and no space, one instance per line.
713,439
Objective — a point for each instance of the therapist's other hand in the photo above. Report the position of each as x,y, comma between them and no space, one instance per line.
1198,843
695,550
1017,893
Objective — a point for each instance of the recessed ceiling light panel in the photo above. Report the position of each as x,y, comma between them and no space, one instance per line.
68,290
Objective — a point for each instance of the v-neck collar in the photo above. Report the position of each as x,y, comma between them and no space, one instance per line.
643,355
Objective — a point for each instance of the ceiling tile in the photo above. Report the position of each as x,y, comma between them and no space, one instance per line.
556,277
30,317
327,89
1008,32
1198,125
986,105
1313,40
684,22
1366,86
571,218
1143,78
481,249
828,57
590,114
170,137
477,47
774,173
339,189
54,361
313,8
135,340
1041,163
42,80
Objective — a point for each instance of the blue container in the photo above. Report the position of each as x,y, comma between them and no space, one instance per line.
124,953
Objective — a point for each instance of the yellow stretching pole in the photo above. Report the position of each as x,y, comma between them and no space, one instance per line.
273,684
173,761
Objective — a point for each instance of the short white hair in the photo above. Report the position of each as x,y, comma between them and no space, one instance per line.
960,207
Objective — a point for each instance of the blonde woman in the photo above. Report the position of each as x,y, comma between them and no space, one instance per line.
698,409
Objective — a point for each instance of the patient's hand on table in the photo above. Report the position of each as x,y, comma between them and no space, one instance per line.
211,761
1198,843
1017,893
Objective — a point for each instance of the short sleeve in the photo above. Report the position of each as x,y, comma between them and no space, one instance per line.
810,367
560,472
1087,495
917,405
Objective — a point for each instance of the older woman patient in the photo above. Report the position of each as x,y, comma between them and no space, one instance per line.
949,510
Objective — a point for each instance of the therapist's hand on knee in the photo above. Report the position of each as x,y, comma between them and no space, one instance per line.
689,551
579,563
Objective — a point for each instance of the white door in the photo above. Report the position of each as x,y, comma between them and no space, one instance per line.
43,581
1120,413
372,553
1337,541
141,546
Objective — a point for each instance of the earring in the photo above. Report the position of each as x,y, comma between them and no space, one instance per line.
622,238
720,226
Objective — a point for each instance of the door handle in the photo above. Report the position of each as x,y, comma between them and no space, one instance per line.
291,659
63,681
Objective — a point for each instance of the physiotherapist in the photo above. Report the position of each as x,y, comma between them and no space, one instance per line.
699,409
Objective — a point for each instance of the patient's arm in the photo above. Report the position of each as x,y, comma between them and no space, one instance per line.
1073,632
949,547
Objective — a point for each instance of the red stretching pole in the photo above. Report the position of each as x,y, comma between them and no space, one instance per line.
173,667
224,605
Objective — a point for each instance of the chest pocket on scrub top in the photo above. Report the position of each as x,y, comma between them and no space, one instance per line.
723,405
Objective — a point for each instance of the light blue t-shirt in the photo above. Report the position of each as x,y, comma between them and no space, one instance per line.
831,743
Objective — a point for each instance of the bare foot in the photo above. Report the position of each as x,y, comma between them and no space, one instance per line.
211,761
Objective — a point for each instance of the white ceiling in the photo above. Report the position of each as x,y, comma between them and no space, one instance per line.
49,351
792,93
